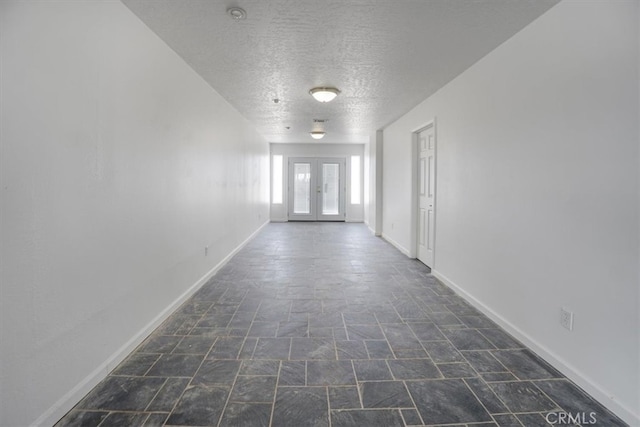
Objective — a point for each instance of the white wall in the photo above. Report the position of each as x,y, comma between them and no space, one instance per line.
354,212
638,123
537,190
369,197
373,183
118,166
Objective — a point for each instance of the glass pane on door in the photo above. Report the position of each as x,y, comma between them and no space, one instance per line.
302,188
330,189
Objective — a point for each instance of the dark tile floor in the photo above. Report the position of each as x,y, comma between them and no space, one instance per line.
323,324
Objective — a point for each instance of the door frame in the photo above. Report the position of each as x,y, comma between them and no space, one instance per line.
415,188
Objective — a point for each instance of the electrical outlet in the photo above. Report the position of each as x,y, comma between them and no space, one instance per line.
206,250
566,318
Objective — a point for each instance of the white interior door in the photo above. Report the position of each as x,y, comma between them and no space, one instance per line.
426,195
316,189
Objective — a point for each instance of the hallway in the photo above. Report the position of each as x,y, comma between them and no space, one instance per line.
323,324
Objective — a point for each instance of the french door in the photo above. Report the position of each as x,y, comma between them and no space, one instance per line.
316,189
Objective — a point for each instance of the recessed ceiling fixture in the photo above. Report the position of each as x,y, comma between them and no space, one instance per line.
317,134
324,94
237,13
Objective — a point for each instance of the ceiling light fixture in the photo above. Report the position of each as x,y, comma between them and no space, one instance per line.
317,134
237,13
324,94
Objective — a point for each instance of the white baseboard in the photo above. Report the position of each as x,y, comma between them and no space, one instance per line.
397,245
575,375
70,399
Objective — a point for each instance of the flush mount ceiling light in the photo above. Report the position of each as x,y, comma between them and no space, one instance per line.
237,13
317,134
324,94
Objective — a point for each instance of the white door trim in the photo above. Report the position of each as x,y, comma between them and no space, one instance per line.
415,189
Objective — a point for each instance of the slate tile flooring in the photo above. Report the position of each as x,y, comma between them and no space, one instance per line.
323,324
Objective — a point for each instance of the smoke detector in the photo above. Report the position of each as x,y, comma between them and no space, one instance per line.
237,13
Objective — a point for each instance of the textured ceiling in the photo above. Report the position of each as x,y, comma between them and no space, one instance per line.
386,56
